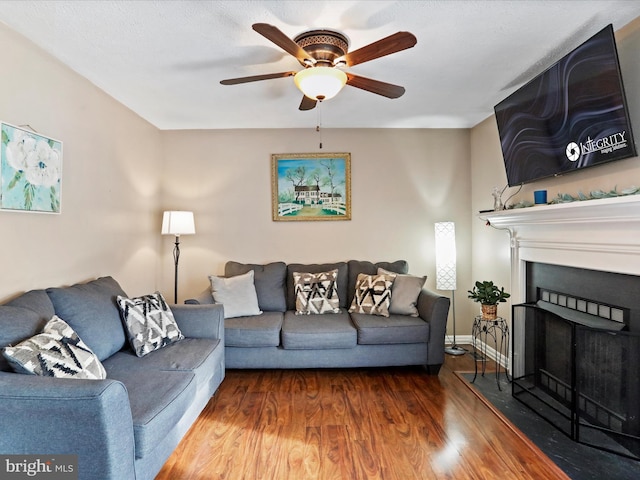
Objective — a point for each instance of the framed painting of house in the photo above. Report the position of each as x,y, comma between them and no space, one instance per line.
30,171
311,186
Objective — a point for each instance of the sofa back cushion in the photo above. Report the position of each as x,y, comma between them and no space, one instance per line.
342,281
269,280
91,310
22,318
356,267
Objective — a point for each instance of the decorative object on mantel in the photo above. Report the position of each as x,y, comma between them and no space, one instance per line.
311,186
30,171
497,198
488,295
593,195
177,223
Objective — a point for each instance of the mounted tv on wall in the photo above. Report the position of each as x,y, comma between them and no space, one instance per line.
572,116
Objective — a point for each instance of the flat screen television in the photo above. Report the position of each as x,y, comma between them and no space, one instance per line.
572,116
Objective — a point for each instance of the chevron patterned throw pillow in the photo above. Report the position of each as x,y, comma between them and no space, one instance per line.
149,323
373,294
316,293
56,352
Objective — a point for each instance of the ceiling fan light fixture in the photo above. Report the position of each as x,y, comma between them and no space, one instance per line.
320,83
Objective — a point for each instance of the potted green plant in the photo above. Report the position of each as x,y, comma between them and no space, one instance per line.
488,295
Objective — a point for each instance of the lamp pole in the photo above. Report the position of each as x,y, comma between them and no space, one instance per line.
176,259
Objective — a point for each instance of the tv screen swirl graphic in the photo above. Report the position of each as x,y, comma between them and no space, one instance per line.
573,115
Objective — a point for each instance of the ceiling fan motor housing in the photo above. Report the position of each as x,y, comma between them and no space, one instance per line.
325,46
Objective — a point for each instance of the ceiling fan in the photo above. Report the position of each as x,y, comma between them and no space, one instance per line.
322,53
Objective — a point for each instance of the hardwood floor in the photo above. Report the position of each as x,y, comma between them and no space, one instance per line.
391,423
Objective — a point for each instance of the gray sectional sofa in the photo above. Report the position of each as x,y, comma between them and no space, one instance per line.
122,427
279,338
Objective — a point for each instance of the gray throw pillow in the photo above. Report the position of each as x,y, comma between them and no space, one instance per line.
404,293
149,323
56,352
237,295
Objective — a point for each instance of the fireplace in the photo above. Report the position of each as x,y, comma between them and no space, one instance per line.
576,317
580,345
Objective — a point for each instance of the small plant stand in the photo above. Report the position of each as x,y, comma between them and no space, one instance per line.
498,330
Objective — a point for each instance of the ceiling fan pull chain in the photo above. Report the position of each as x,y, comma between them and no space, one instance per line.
319,125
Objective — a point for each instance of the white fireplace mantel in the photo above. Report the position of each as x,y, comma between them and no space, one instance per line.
599,234
603,211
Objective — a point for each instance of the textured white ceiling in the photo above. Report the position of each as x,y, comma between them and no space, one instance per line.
165,59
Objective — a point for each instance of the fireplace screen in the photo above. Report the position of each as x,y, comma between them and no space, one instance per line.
579,375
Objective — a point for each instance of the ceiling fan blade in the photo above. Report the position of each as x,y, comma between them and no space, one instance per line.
307,103
393,43
256,78
375,86
276,36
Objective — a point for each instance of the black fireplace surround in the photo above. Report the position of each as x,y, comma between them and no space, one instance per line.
576,354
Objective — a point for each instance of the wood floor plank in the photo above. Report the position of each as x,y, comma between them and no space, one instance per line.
386,424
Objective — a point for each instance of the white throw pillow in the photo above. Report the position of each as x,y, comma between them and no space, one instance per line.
237,294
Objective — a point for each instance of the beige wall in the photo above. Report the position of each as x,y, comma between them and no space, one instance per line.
490,251
120,173
110,183
403,181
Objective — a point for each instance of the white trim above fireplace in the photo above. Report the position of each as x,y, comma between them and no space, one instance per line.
599,234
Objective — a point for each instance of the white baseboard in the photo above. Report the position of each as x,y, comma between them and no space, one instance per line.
489,350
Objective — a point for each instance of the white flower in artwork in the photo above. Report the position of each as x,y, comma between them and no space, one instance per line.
40,163
43,165
17,150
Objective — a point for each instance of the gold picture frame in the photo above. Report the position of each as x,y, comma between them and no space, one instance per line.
310,187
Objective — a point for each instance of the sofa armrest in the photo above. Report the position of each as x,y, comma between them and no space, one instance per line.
55,416
434,309
203,298
200,321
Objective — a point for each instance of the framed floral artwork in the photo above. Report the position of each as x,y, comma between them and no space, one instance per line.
311,186
30,171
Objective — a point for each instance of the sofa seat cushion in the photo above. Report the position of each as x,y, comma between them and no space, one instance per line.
91,310
377,330
254,331
194,355
158,400
314,332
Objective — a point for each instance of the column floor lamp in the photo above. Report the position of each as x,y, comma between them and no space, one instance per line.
446,271
177,223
